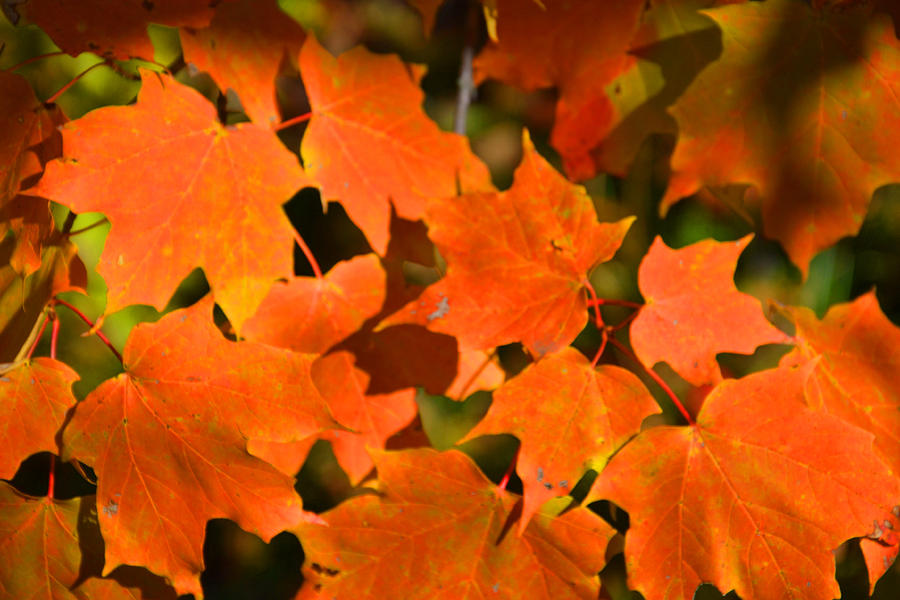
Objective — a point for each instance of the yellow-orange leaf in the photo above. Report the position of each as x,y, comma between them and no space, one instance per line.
215,204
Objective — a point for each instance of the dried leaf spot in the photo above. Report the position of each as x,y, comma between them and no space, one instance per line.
322,570
442,309
111,508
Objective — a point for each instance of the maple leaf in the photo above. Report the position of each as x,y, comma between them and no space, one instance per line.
753,497
369,144
516,261
673,44
34,398
694,311
580,47
39,537
881,546
50,549
856,378
168,439
27,132
404,356
562,402
217,204
372,418
244,48
805,110
18,121
437,530
309,314
113,30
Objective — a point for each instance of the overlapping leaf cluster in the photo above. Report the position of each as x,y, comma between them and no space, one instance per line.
797,102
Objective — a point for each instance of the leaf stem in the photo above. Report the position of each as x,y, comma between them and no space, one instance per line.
595,301
656,378
66,87
37,338
89,227
504,481
308,254
605,337
51,479
54,334
90,324
28,61
293,121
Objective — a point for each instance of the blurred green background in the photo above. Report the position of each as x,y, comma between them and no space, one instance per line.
239,565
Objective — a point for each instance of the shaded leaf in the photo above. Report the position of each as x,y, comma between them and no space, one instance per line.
404,356
805,110
753,497
51,549
579,47
244,49
27,133
438,531
369,144
693,310
168,438
223,190
559,404
113,30
372,418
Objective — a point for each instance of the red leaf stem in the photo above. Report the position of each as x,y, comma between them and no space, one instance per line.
595,301
293,121
37,338
308,254
54,334
28,61
90,324
504,481
656,378
65,88
51,479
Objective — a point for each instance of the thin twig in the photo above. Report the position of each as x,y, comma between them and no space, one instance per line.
465,82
